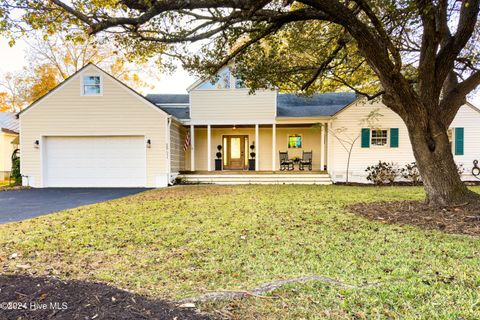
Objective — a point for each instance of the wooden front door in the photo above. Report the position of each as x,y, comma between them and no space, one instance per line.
235,156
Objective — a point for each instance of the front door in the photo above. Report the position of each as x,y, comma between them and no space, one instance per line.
234,148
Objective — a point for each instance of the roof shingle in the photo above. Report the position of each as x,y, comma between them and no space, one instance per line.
318,104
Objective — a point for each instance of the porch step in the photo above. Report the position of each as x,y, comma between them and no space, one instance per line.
323,179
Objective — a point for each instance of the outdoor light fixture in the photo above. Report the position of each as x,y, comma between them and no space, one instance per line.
149,143
234,127
36,144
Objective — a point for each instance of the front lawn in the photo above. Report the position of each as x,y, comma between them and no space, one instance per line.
184,241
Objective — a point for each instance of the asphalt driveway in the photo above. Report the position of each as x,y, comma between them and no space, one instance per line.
23,204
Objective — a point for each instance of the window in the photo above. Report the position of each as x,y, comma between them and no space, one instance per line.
295,141
379,137
91,85
239,82
221,81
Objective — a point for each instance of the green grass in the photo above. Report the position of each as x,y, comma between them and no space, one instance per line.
182,241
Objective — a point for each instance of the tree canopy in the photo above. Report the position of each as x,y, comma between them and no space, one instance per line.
420,56
52,59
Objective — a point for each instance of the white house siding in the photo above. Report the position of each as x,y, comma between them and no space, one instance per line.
7,149
117,112
468,117
348,123
232,104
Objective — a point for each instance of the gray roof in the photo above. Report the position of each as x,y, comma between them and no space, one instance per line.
9,121
318,104
288,105
161,99
179,113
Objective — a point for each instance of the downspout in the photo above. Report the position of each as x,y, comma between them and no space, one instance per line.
169,150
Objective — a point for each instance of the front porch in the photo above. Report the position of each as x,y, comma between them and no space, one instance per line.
243,149
256,177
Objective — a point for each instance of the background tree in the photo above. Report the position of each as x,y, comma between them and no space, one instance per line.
423,54
54,58
14,91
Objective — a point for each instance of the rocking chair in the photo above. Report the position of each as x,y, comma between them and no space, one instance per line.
285,163
306,161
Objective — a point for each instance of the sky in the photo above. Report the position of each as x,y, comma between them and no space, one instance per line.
12,59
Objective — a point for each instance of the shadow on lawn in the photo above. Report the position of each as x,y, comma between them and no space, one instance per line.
25,297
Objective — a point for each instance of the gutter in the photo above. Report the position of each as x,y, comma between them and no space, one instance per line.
169,151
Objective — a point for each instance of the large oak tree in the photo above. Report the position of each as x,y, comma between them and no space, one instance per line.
420,57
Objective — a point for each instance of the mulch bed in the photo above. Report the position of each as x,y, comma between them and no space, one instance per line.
459,220
50,298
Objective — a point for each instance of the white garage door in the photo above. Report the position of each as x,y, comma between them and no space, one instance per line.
95,161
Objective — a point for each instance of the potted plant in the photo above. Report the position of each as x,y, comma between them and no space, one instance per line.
296,160
251,161
218,161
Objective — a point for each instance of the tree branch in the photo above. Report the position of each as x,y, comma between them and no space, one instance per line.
341,44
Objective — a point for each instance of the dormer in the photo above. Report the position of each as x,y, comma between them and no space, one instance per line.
224,98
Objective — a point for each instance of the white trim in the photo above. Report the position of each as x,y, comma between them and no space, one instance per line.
209,148
192,147
471,105
43,162
274,146
276,104
257,148
322,146
230,122
300,120
169,148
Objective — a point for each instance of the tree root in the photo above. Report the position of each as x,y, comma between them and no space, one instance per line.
269,287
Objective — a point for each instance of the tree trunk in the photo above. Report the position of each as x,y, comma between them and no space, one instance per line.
433,153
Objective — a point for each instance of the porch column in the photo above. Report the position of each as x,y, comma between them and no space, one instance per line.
192,147
209,147
274,146
257,155
322,146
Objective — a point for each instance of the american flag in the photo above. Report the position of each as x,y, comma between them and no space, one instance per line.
186,144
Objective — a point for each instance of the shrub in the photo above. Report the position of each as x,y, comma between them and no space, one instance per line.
460,169
382,173
16,175
410,172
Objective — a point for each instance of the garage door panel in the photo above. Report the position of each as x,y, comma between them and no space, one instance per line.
95,161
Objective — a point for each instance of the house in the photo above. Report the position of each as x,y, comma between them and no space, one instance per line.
9,128
94,131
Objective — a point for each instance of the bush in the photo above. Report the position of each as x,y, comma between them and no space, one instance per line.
16,175
382,173
410,172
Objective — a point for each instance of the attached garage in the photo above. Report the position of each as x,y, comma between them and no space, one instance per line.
95,161
94,131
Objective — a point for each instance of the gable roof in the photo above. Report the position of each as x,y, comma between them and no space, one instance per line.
90,64
161,99
316,105
9,122
176,105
